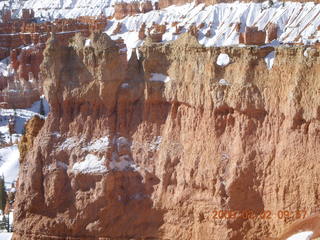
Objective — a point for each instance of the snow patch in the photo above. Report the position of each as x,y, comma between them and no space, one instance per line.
98,144
124,85
306,52
158,77
69,143
56,134
224,82
6,236
223,59
269,59
91,164
9,163
87,43
301,236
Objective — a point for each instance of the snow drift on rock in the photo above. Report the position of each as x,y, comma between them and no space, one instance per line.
301,236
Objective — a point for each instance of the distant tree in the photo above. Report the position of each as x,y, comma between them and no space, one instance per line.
3,194
2,138
41,110
270,3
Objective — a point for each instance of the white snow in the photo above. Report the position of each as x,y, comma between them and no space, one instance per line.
297,22
95,145
224,82
9,155
124,85
223,59
306,52
5,67
69,143
56,134
23,115
98,144
6,236
88,43
301,236
64,8
9,163
158,77
91,164
269,59
11,218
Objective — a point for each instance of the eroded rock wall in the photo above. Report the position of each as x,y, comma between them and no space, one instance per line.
168,153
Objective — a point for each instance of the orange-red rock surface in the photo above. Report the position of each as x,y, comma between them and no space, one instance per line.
123,9
194,145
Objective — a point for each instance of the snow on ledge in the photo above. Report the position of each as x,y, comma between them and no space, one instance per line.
223,59
5,236
158,77
301,236
224,82
98,144
306,52
88,43
91,164
269,59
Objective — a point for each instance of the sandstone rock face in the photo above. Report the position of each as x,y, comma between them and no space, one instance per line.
124,157
271,33
123,9
252,36
32,129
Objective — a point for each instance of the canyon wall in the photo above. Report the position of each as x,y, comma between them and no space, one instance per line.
148,149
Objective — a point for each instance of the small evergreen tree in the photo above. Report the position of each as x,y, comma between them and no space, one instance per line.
41,110
2,138
3,194
270,3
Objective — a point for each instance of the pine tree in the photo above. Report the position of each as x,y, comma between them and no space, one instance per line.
2,138
3,194
41,111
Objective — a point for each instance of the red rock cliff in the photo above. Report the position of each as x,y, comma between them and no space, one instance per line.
168,153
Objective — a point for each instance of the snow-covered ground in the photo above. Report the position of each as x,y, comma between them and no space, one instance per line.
5,236
65,8
9,163
22,115
297,22
301,236
9,155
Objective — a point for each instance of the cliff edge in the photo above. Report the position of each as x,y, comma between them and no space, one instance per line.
151,148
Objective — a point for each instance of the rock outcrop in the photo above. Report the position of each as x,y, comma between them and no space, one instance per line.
252,36
124,9
33,127
150,148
